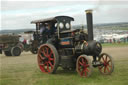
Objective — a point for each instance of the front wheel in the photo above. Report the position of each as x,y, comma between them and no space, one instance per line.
84,66
16,51
107,65
8,53
48,58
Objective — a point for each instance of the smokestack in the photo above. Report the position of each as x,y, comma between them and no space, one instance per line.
89,24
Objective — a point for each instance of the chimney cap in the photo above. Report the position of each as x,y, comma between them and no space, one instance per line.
89,11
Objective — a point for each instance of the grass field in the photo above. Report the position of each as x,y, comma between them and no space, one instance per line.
115,44
24,70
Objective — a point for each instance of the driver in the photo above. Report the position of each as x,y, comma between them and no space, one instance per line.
45,32
48,32
42,28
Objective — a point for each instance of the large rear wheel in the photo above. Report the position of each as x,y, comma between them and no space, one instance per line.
48,58
84,66
107,66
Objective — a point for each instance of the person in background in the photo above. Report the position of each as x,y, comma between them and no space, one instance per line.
114,40
24,42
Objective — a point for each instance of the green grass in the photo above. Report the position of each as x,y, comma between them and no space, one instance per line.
24,70
31,75
114,44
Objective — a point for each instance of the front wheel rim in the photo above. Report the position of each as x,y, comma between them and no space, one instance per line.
107,66
84,67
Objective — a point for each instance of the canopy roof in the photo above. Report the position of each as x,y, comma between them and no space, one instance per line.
52,19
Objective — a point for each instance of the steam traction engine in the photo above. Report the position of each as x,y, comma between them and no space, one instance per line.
10,45
71,49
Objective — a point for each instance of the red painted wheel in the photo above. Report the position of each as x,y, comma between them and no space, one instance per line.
84,66
107,66
48,59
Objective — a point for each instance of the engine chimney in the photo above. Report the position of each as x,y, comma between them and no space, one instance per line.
89,24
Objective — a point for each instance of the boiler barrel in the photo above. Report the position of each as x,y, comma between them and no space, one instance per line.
92,48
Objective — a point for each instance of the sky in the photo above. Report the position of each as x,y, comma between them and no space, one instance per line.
17,14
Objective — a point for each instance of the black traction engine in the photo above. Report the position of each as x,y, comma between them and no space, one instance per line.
69,48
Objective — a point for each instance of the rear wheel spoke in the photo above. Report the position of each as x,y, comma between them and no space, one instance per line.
110,66
85,73
103,59
108,69
48,67
43,51
46,51
100,67
50,64
51,59
80,63
106,58
43,64
87,65
87,70
82,72
41,57
108,61
104,69
82,60
50,54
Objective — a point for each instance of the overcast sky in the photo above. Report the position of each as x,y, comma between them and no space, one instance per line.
19,14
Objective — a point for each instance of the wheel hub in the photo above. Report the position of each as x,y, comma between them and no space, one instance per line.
46,59
105,63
